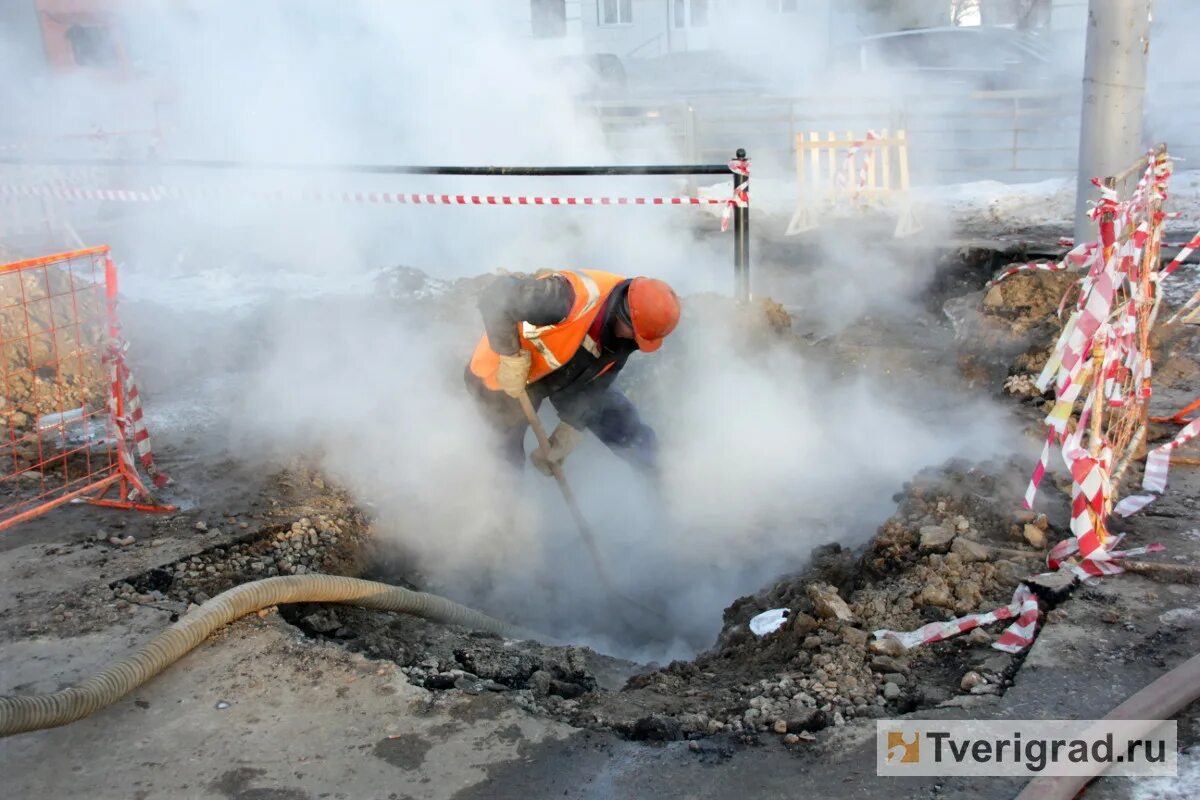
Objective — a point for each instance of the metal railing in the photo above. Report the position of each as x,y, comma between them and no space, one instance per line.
1005,135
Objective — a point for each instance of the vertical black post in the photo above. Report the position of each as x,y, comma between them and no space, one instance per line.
741,237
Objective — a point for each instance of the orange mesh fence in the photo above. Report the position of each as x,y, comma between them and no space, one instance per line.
70,407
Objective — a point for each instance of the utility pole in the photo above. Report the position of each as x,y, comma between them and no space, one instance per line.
1114,87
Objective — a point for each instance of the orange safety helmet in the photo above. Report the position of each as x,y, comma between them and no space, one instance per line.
653,312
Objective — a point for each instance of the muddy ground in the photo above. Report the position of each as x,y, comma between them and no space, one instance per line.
329,701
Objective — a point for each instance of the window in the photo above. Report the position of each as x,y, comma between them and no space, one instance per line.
616,12
92,46
549,18
690,13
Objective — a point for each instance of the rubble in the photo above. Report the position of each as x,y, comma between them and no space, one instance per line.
828,604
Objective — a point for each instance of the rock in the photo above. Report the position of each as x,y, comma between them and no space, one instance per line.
854,637
936,594
890,691
802,623
807,721
694,746
201,525
979,636
971,680
896,678
828,604
812,643
887,664
838,719
1051,585
791,740
935,538
1035,536
780,726
885,647
441,682
968,550
656,728
715,726
121,541
567,690
1042,522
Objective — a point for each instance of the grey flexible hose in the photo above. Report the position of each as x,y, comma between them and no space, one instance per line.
19,714
1161,700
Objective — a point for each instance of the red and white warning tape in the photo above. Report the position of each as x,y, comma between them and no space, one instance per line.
1060,558
1078,258
847,170
162,193
1016,637
1105,318
1158,463
1187,248
133,421
741,196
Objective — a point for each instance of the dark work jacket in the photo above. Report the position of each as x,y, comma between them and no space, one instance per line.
573,388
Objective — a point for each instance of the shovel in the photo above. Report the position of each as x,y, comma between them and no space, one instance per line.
585,531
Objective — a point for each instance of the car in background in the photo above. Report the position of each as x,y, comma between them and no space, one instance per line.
976,58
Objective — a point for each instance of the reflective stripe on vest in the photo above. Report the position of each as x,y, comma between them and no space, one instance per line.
533,333
551,346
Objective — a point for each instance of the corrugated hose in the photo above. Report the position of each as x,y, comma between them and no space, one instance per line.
19,714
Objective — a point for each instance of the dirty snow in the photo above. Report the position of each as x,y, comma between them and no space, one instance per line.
985,205
1184,786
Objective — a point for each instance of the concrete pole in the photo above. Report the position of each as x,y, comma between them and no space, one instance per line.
1114,86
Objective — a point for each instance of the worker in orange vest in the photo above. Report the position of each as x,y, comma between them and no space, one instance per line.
564,336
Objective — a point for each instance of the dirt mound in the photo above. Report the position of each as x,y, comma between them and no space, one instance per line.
928,562
932,560
52,323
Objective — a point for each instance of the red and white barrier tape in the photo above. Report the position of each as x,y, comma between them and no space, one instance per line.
1158,463
1015,638
1099,322
1078,257
133,420
1187,249
160,194
1067,241
1060,558
847,170
741,196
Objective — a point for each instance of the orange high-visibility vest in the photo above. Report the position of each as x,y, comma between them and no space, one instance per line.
551,346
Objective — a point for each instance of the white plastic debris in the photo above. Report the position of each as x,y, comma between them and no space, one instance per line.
769,621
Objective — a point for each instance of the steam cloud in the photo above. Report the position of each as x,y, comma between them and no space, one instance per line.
769,451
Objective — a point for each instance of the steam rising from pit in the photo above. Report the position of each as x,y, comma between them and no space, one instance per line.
266,317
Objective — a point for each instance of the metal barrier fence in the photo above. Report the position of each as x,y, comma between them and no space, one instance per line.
69,406
1008,135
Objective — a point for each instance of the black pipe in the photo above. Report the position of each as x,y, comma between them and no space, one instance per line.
377,169
741,215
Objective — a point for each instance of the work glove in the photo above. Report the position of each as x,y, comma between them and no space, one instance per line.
513,373
562,442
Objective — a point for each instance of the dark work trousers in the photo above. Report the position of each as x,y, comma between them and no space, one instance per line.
611,417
